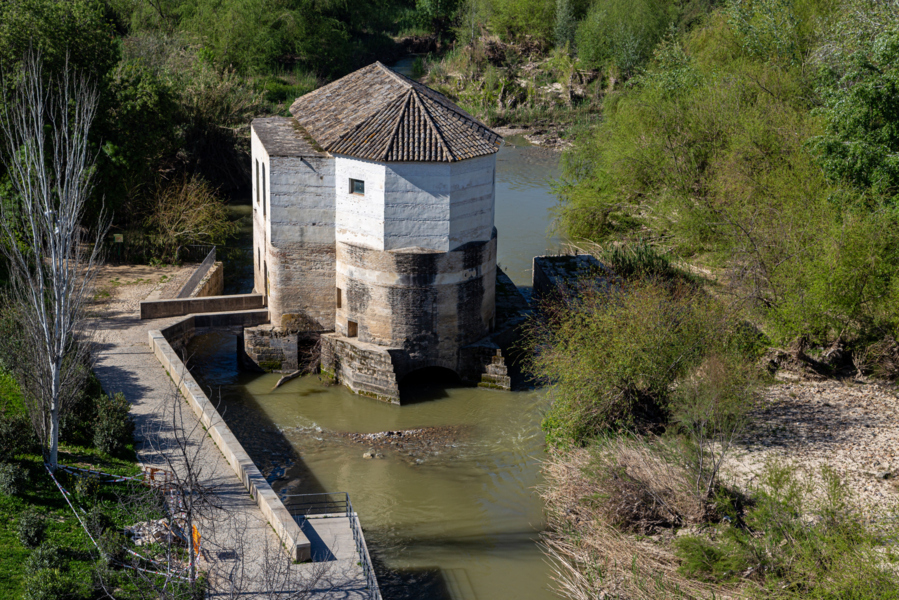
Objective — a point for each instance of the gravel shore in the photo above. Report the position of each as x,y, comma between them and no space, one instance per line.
851,426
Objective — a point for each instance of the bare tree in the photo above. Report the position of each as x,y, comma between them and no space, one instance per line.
46,155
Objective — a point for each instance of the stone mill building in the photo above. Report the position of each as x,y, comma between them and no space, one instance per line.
373,235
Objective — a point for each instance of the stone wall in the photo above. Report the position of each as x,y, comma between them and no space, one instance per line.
364,368
293,237
271,348
158,309
295,541
212,284
560,274
423,306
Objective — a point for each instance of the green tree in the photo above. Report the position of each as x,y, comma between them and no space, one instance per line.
861,141
622,33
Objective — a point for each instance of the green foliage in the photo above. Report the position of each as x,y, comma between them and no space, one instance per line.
861,141
566,24
53,584
789,555
12,479
708,150
77,30
113,428
187,212
31,528
76,424
639,261
141,100
87,487
16,435
45,556
288,87
652,333
513,19
622,33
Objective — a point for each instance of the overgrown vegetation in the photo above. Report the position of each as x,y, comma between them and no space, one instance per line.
741,194
44,552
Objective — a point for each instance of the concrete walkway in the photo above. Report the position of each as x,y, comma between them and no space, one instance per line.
240,550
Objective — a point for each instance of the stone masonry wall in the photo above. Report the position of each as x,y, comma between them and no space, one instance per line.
271,348
364,368
300,250
212,284
423,306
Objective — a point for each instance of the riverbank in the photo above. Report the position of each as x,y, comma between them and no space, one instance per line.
519,88
826,451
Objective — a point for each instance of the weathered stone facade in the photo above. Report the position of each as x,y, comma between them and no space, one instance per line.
378,237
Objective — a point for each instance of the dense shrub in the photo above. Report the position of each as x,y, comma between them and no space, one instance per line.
76,424
709,151
16,436
31,528
12,479
51,584
113,546
622,33
652,334
87,487
45,556
113,429
774,543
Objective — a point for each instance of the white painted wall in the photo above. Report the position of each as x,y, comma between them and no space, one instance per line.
435,206
417,206
360,219
472,200
301,201
260,231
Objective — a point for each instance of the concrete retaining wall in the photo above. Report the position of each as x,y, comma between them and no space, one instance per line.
158,309
212,284
274,510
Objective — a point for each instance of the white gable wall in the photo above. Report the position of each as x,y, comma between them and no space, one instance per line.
360,219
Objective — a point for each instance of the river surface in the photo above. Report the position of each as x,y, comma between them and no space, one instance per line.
450,512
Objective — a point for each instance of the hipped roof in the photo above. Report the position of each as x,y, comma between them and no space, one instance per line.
378,114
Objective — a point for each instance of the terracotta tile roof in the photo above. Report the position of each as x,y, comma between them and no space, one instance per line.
377,114
285,137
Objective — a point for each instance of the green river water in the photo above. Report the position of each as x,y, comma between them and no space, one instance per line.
455,519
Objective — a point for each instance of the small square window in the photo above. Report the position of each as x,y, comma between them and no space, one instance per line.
357,186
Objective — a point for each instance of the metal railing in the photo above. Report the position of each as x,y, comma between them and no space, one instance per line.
304,506
198,275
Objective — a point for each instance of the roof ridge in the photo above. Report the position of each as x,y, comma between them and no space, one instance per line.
396,126
401,79
437,133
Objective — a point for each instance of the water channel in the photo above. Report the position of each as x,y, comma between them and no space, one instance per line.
450,512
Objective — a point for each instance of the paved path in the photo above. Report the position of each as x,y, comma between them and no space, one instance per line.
240,550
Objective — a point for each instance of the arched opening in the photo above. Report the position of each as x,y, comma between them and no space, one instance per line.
428,383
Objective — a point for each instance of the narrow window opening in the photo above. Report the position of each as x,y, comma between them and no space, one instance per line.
352,329
263,191
339,298
257,182
357,187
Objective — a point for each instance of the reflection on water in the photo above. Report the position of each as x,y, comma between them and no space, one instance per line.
452,516
523,202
